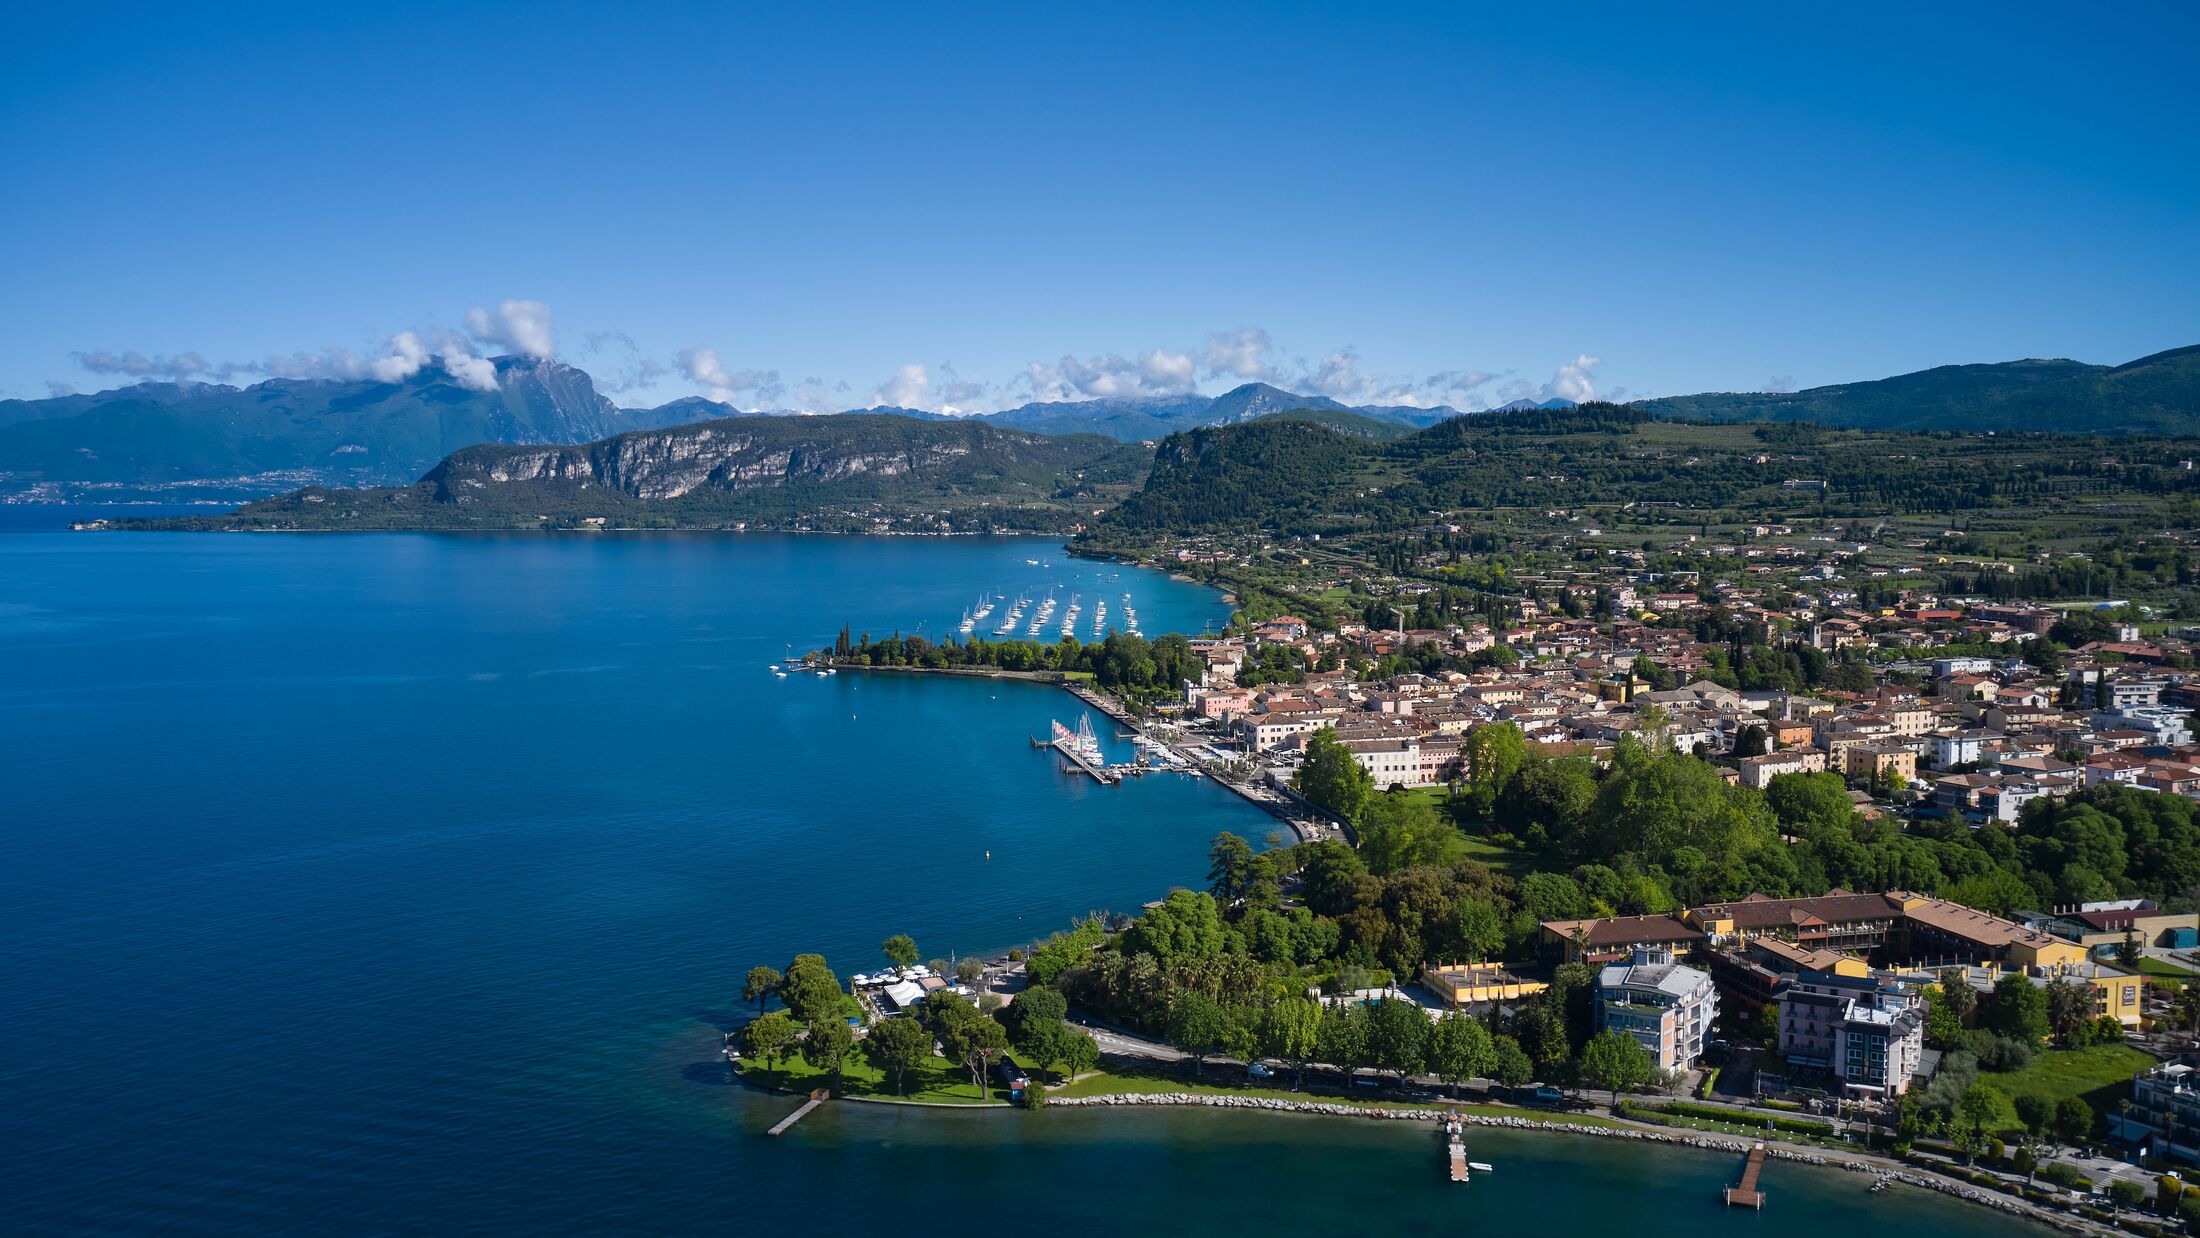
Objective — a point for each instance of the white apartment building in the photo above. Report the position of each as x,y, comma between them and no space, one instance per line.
1665,1006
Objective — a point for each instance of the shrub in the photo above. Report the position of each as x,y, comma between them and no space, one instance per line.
2004,1054
2064,1174
2188,1207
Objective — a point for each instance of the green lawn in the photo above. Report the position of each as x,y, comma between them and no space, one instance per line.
1741,1126
1512,861
1435,797
2101,1074
1104,1083
938,1081
2155,967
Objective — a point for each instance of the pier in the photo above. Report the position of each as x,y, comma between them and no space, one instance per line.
1082,749
1458,1160
1745,1193
816,1098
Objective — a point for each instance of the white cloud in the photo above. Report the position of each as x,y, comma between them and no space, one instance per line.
815,395
908,388
1338,377
470,371
618,364
1572,380
1043,384
1158,371
1109,375
1459,383
522,327
1223,358
183,367
407,355
1240,354
958,394
1167,371
703,368
336,363
939,390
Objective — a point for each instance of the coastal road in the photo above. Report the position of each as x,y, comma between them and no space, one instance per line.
1124,1044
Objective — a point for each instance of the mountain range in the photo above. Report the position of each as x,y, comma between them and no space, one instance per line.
2158,394
155,438
284,431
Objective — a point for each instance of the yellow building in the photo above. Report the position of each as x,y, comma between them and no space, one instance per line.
1937,931
2119,994
1470,984
1786,956
1878,760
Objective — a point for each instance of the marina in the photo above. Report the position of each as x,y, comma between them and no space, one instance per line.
1032,612
1081,748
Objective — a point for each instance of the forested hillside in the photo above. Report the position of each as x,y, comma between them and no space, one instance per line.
2152,395
1301,479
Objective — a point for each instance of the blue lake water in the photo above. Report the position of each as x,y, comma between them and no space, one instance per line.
402,884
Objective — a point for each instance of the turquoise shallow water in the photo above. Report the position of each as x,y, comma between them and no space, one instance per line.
388,884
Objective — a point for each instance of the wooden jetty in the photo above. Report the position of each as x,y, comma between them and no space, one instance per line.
1458,1160
816,1098
1745,1194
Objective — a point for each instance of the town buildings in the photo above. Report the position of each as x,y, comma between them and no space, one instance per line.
1897,925
1974,736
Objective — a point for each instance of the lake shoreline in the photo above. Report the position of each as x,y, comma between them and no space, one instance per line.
1865,1163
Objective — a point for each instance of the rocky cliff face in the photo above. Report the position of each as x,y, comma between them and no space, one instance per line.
549,401
751,453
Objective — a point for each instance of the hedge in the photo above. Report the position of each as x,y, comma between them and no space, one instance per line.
1793,1126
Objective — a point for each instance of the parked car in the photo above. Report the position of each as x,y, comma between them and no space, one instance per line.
1259,1070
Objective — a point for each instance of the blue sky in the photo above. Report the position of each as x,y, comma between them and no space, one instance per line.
968,207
